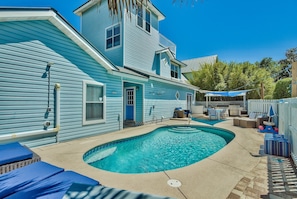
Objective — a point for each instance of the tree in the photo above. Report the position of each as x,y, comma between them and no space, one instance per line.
209,76
222,76
272,66
117,6
283,88
286,67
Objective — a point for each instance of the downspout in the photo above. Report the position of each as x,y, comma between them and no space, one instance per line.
57,111
56,129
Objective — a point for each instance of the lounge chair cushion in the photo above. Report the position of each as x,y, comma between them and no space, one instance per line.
54,187
13,152
87,191
25,177
252,115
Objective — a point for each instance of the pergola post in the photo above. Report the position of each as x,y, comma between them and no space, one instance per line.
244,101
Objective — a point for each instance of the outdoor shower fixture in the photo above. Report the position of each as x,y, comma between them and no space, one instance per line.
48,67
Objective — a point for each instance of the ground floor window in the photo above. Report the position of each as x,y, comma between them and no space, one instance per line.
93,102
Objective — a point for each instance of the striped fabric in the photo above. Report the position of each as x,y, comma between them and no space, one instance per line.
87,191
275,144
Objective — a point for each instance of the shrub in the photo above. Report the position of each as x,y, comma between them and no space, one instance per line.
282,88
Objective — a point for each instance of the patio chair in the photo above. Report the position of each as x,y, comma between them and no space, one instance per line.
55,186
23,178
212,114
14,155
224,113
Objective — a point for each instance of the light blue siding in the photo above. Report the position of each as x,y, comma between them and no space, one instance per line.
165,65
140,47
157,64
160,100
25,49
94,22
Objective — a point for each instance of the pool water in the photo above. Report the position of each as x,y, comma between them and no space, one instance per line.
165,148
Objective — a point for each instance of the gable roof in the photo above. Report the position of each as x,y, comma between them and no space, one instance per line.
171,56
177,82
196,63
51,15
91,3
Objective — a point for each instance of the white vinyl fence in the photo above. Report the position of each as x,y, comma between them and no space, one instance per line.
286,118
262,107
288,123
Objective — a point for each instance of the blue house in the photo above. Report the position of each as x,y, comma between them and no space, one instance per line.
58,84
134,43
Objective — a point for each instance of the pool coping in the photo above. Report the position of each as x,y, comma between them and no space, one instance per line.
213,177
107,149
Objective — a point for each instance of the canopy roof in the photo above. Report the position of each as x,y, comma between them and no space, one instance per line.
225,93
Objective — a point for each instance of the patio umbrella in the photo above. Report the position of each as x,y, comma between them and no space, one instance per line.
271,113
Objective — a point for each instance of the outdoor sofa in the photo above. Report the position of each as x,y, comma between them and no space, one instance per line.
252,121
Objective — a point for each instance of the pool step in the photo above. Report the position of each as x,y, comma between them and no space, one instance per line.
184,130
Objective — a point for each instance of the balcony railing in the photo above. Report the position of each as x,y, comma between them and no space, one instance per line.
166,43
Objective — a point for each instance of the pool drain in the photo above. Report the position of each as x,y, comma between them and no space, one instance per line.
174,183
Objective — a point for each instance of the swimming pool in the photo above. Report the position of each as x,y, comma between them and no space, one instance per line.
165,148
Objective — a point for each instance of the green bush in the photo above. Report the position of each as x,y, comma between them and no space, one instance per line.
268,97
282,88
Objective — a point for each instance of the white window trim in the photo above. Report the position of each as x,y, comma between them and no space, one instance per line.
99,121
137,7
134,101
176,71
143,19
113,47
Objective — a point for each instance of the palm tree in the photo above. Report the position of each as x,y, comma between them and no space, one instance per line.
116,6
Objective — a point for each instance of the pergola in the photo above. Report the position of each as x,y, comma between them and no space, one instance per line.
210,94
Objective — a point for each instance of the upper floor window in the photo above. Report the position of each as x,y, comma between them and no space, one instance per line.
174,71
113,36
93,102
142,22
139,15
147,20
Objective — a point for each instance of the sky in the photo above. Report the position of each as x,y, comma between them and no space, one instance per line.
235,30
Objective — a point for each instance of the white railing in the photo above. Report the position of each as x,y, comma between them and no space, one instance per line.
166,43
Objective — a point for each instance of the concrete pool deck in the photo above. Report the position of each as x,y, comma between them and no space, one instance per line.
236,171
